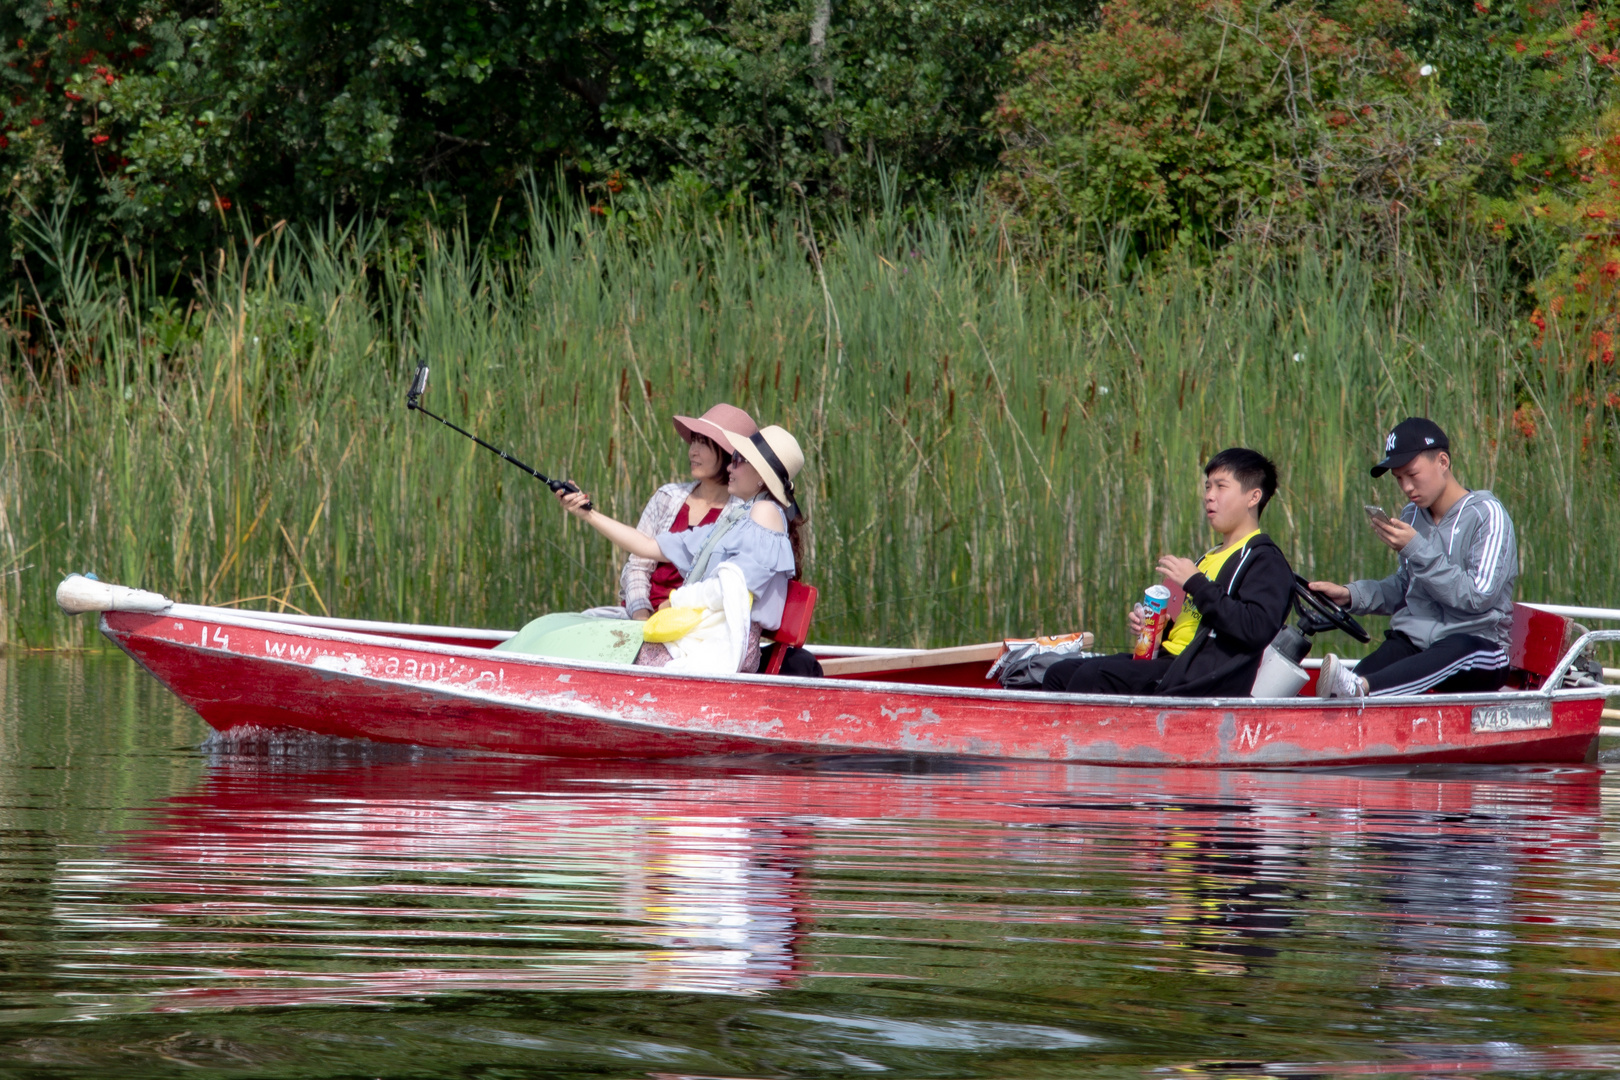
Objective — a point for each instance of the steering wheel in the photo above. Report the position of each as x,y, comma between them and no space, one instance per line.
1324,613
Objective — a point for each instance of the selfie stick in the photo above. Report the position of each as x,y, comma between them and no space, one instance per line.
413,400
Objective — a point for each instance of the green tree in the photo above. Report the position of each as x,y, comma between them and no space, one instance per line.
162,119
1184,123
1536,73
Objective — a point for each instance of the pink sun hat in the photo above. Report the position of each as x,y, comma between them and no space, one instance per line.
715,423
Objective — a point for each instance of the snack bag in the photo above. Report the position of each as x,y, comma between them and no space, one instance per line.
1024,661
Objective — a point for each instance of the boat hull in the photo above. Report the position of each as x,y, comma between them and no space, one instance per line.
237,672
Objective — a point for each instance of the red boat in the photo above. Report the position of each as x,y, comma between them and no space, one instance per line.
445,687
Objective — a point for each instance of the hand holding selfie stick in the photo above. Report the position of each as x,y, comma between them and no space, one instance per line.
413,400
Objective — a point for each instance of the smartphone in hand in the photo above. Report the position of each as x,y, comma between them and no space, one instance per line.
1376,513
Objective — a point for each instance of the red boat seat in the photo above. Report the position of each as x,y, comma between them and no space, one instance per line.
795,628
1540,638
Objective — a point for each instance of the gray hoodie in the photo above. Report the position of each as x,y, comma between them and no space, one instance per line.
1455,577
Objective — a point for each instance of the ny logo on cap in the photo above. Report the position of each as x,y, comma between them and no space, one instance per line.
1389,443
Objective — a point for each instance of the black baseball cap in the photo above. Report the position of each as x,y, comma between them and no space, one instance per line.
1411,437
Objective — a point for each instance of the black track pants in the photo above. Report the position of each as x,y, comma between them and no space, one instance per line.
1459,664
1117,674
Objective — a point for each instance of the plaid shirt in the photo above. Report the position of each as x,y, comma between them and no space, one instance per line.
635,580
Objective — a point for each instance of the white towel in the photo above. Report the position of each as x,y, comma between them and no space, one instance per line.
716,645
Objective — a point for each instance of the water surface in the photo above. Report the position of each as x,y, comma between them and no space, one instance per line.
292,910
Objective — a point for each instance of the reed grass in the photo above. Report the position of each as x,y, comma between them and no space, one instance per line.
992,449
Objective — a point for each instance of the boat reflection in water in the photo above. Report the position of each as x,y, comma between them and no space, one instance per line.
286,879
400,879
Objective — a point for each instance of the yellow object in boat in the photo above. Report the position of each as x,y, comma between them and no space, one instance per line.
672,623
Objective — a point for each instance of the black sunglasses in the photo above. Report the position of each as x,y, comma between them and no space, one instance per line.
737,458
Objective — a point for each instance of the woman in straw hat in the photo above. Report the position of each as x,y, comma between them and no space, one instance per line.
757,534
645,584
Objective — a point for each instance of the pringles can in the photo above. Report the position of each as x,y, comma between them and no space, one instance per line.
1153,613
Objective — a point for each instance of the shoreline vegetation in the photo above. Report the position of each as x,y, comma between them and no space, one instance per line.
994,446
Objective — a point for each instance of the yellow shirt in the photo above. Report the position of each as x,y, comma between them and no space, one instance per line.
1181,634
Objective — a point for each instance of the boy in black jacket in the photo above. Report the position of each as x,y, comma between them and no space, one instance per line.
1237,600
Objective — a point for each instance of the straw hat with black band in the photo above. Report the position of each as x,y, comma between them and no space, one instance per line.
776,456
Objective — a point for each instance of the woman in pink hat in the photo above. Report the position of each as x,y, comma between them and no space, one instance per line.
757,536
645,583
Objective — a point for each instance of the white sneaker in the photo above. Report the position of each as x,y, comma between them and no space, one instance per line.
1337,680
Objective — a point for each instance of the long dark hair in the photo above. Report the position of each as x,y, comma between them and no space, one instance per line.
796,540
795,531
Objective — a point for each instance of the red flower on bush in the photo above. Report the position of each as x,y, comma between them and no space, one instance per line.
72,96
99,139
224,203
1538,321
4,142
1525,422
1611,270
36,121
1519,46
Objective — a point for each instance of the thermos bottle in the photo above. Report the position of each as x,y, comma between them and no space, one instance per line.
1280,674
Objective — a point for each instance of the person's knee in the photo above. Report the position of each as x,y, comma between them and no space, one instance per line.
1057,676
1081,681
1118,674
1088,677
